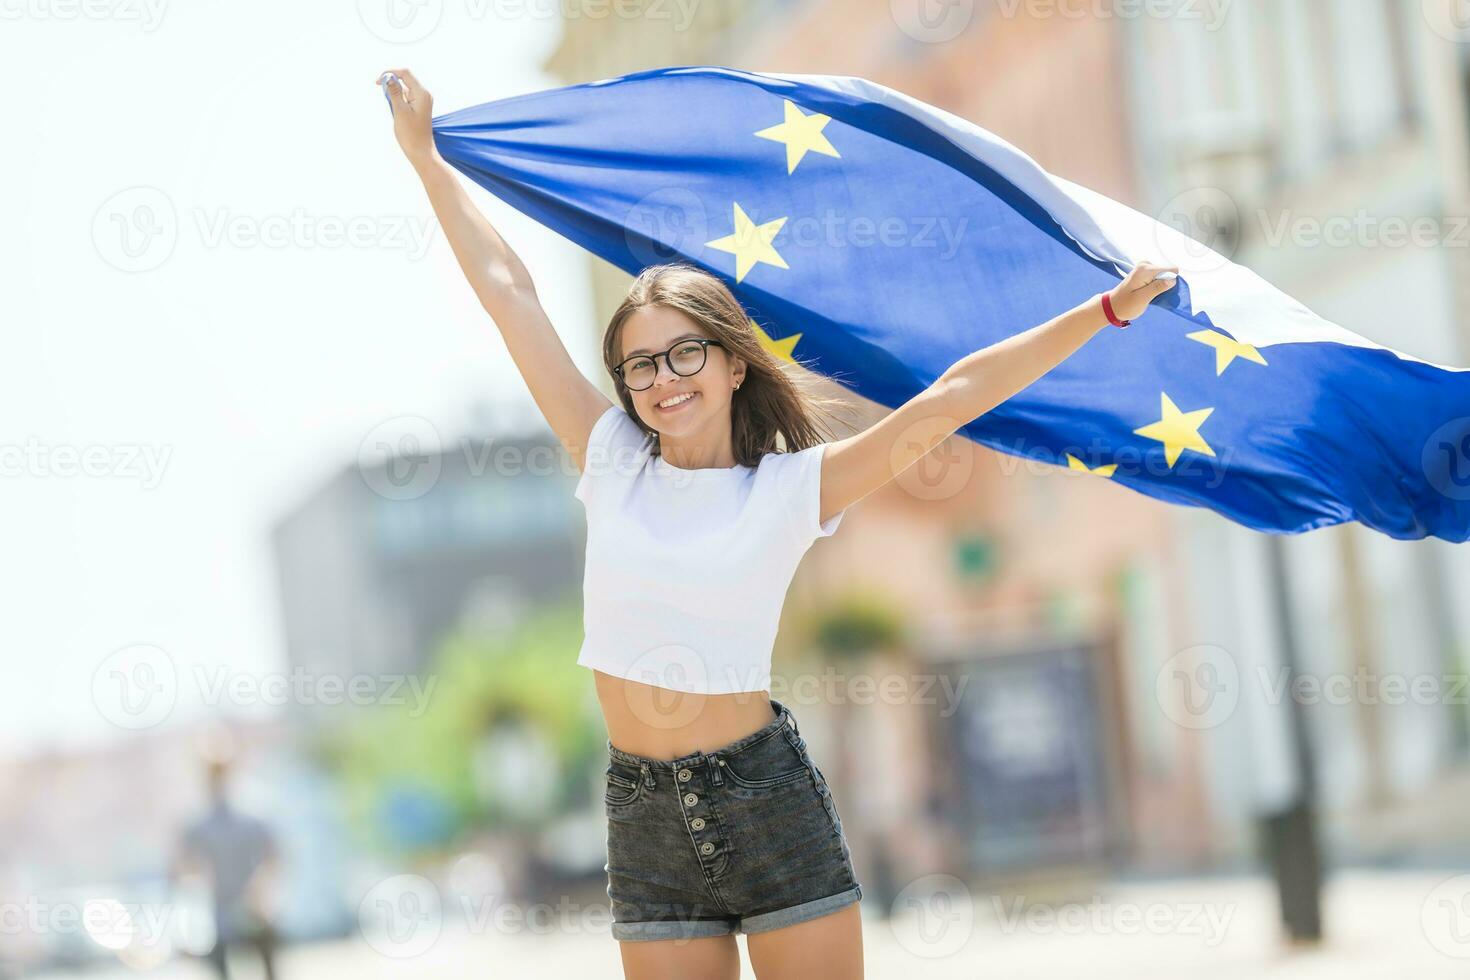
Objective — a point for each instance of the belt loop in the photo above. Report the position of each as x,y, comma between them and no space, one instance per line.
715,764
647,775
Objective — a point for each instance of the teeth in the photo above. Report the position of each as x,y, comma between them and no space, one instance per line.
668,402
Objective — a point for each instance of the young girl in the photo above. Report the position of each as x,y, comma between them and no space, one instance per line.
719,821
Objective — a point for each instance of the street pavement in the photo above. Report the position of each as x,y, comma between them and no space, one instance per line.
1379,925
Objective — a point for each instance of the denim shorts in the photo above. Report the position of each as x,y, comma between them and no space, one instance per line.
744,838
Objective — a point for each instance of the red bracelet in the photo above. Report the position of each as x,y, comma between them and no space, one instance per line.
1107,305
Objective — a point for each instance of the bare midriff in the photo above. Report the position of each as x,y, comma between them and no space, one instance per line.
659,723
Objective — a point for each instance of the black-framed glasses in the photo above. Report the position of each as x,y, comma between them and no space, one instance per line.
684,358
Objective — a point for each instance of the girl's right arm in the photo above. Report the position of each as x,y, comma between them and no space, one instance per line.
569,401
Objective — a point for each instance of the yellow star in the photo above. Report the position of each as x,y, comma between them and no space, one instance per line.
800,133
1107,469
1177,430
750,243
782,348
1226,349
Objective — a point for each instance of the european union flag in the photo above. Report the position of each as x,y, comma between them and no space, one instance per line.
878,240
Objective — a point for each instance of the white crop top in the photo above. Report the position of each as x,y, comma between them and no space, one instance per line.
687,570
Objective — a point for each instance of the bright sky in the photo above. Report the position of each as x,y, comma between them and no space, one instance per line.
178,314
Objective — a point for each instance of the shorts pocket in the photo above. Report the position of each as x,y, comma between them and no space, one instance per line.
771,762
621,790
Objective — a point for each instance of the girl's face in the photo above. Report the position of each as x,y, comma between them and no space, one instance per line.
697,398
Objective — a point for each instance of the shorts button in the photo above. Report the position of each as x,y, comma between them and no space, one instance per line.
706,848
697,823
684,775
690,799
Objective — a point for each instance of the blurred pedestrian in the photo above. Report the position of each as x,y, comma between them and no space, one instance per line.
238,854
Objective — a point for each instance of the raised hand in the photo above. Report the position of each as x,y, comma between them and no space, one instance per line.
1132,296
413,112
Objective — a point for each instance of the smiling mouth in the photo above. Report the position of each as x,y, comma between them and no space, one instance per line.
675,407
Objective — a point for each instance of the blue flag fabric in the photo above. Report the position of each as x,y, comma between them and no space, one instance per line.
877,240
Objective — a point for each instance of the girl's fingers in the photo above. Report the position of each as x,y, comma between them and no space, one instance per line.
408,76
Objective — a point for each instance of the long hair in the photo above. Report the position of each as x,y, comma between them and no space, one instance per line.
776,398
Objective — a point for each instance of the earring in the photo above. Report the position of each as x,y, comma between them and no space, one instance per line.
737,386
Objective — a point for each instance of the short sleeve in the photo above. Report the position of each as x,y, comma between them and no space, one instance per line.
800,483
613,446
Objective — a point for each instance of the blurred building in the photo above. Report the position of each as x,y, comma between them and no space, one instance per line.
384,559
1260,124
1324,146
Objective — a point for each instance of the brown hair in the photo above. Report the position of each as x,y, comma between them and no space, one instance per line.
775,397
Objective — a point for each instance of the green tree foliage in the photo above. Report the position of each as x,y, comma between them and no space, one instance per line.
408,780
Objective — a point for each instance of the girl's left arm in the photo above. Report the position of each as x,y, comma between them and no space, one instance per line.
854,467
